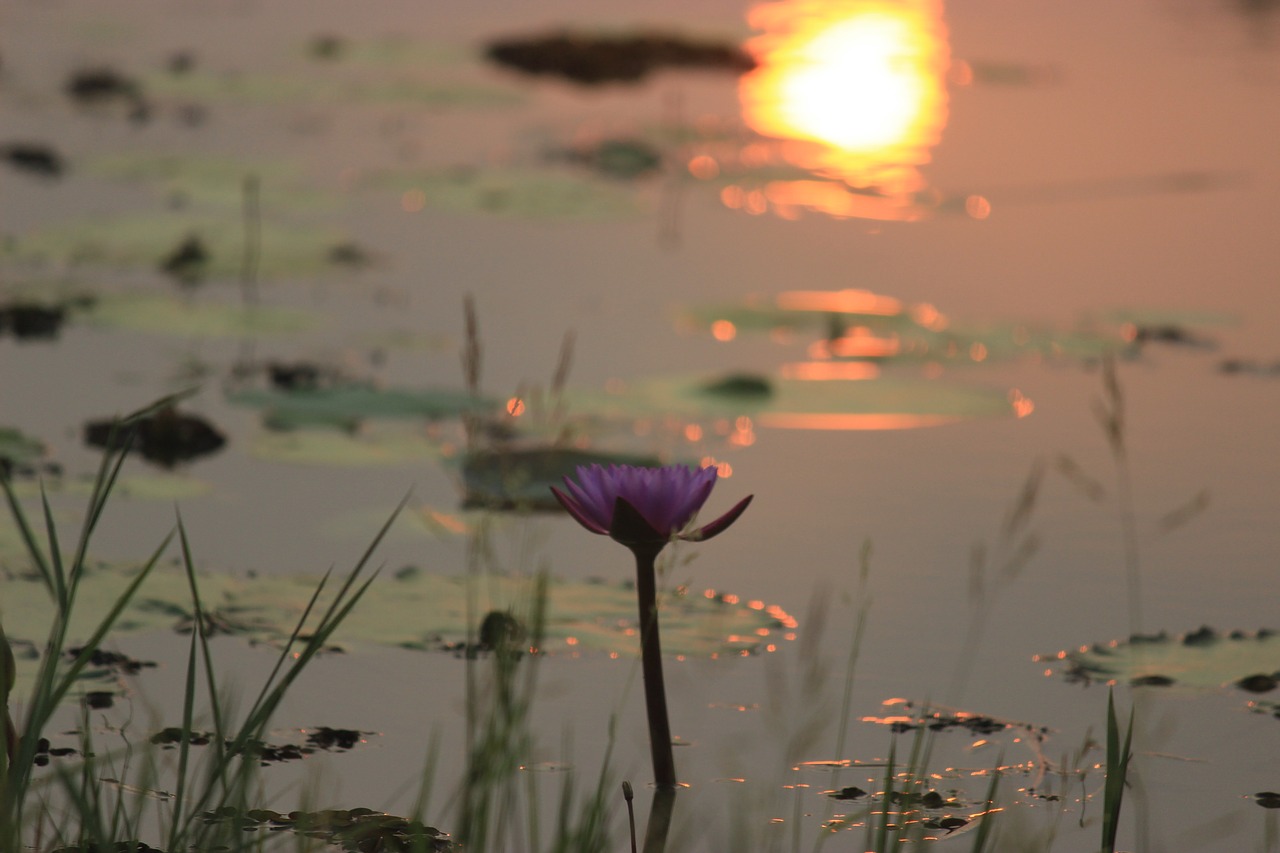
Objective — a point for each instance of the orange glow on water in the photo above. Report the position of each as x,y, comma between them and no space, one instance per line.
723,330
848,301
515,407
852,421
830,370
857,88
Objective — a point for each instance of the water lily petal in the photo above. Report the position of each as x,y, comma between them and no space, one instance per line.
720,525
572,507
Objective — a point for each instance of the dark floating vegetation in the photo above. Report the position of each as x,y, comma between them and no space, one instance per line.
595,59
322,738
166,437
105,86
357,830
938,719
37,158
107,663
1204,658
188,262
32,320
621,158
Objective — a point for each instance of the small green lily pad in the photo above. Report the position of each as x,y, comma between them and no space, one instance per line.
1200,659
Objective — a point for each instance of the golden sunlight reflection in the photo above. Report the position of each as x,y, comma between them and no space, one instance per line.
856,89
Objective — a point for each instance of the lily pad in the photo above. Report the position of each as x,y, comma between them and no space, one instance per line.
522,478
144,240
855,325
169,314
515,193
18,448
806,404
412,608
347,405
210,180
366,448
1200,659
294,89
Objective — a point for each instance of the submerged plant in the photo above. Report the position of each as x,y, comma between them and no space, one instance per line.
644,509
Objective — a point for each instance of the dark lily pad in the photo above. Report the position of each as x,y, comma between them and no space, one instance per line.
166,437
593,59
1200,659
32,320
34,157
522,478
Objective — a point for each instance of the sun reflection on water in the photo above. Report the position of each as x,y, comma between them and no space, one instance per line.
856,91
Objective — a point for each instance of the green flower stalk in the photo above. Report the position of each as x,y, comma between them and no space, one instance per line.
644,509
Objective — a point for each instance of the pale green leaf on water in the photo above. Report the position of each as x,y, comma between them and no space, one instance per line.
327,86
514,193
212,180
1201,659
350,404
368,447
172,314
143,241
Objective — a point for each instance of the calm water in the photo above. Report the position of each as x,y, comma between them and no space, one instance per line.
1072,161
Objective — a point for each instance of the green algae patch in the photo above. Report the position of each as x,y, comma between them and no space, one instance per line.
1202,659
521,478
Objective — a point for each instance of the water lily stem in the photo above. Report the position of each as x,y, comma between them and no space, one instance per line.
655,691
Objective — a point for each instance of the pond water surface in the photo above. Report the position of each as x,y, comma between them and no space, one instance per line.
1030,190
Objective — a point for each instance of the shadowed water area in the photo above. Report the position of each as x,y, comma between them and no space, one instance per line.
977,300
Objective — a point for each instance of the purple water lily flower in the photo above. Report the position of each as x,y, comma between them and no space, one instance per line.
644,507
